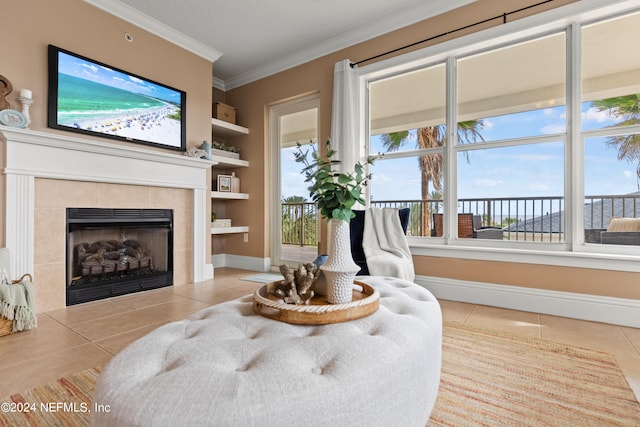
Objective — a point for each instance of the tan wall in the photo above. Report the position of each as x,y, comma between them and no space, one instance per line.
620,284
28,26
253,100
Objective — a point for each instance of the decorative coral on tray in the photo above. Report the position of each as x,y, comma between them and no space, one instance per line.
296,286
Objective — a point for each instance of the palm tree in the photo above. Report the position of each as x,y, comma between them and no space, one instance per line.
431,165
436,195
627,109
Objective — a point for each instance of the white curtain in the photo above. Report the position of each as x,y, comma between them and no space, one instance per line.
345,114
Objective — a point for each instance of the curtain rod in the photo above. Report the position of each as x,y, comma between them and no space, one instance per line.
504,21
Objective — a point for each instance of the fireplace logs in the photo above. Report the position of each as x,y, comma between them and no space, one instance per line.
106,258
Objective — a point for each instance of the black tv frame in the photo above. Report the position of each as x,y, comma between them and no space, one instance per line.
53,121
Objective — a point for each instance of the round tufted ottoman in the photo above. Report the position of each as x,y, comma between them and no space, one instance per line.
227,366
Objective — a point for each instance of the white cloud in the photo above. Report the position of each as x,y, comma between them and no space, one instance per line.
628,174
486,182
553,113
89,68
595,115
539,186
487,124
553,129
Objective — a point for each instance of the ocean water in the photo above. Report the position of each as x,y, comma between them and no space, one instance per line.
82,100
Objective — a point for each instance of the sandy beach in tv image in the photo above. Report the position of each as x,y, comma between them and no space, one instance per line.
152,124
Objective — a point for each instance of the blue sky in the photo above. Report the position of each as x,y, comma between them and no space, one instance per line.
530,170
88,70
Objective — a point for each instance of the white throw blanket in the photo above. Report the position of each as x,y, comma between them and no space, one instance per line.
385,245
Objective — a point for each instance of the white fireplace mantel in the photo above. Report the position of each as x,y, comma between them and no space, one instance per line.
31,154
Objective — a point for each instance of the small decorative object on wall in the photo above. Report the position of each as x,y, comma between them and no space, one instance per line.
206,147
221,223
224,183
235,183
196,152
5,89
90,97
13,118
221,149
26,99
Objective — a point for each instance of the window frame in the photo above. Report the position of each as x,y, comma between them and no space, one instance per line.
573,251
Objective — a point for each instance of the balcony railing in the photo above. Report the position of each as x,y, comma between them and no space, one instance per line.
534,219
299,224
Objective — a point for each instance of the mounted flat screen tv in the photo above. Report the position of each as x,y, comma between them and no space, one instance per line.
93,98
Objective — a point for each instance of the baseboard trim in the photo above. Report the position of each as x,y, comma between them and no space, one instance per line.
241,262
617,311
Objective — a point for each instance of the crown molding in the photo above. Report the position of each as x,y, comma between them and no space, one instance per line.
139,19
358,35
218,83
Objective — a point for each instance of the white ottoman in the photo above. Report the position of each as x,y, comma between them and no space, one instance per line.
227,366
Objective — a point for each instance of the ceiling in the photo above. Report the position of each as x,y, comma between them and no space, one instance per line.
251,39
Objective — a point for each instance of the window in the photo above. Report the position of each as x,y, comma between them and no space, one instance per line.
509,102
610,117
520,150
408,127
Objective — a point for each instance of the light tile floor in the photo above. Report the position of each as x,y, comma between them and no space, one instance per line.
88,335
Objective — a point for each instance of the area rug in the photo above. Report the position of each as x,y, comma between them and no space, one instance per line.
492,378
488,379
263,277
65,402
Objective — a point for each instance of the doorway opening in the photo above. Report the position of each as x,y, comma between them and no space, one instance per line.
296,222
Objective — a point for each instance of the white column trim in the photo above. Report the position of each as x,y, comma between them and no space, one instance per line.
20,196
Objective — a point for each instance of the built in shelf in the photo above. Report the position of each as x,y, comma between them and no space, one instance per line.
225,129
228,162
229,230
228,195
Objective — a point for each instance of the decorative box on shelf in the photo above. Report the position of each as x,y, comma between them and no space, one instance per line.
221,223
224,112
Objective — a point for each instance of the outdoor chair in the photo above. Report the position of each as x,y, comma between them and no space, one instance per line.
485,231
469,227
620,231
465,226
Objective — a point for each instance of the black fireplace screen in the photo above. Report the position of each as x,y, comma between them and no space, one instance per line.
113,252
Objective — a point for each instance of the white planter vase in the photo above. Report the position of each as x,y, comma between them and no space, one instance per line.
340,269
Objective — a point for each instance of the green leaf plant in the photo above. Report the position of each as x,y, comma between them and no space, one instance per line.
335,192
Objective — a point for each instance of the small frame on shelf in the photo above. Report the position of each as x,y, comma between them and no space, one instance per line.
224,183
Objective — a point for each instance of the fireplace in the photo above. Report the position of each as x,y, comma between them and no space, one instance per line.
113,252
45,173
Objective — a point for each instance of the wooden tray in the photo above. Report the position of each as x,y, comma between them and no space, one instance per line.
366,300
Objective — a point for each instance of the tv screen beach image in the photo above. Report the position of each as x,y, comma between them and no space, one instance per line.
95,98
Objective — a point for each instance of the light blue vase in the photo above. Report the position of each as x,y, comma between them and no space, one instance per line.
207,149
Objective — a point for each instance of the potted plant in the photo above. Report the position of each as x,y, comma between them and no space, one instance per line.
336,193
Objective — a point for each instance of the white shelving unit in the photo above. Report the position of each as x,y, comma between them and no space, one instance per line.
227,195
228,162
229,230
224,129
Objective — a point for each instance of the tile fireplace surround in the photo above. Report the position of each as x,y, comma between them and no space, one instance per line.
44,173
